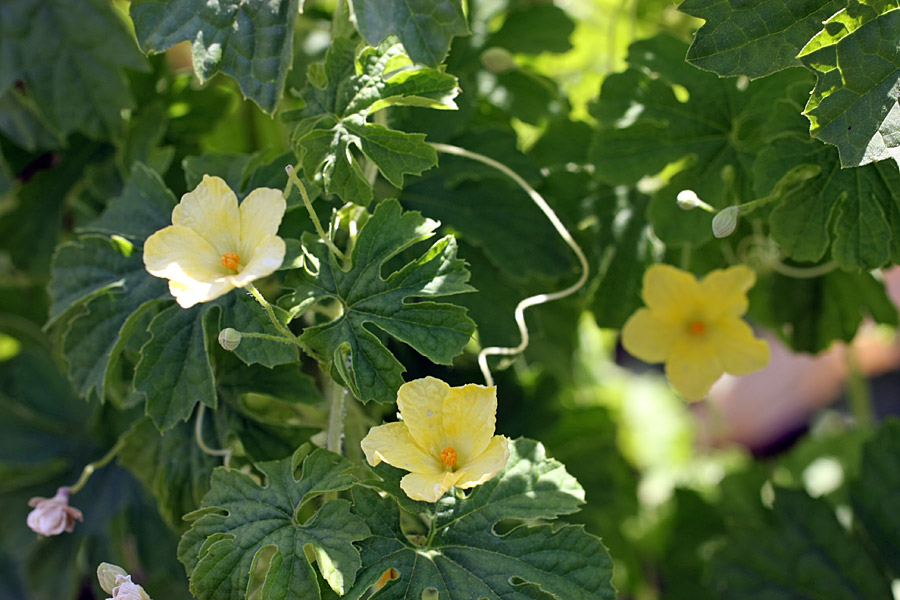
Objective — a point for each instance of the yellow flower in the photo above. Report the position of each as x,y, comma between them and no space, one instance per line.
446,438
695,327
214,246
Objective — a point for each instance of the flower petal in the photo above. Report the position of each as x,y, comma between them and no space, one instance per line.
392,444
484,466
693,366
724,291
190,293
180,254
420,402
470,416
261,214
428,487
648,337
739,351
671,293
211,210
266,259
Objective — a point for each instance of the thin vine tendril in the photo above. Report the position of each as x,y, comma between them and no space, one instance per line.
531,300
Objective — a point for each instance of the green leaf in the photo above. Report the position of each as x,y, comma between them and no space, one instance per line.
877,490
332,130
755,37
853,210
250,536
466,557
249,41
663,111
174,371
533,29
426,27
803,554
143,208
393,304
811,313
247,316
857,62
23,124
71,67
171,466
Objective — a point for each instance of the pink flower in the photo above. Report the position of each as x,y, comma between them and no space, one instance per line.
52,516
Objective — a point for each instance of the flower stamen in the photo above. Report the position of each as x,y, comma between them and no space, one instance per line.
698,327
231,261
449,457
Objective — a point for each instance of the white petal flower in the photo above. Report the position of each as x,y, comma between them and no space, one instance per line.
52,516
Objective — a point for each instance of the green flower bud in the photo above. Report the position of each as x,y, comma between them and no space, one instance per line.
106,574
498,60
230,338
724,223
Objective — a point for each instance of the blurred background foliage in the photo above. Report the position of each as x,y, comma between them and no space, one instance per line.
765,488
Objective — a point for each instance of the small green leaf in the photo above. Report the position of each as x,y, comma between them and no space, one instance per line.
878,490
803,554
242,522
333,127
72,67
249,41
174,370
756,37
857,62
437,330
467,558
426,27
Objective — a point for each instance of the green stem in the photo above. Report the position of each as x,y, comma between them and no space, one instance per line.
532,300
265,336
288,334
335,435
858,392
804,272
198,435
97,464
293,179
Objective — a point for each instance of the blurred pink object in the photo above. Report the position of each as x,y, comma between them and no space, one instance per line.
52,516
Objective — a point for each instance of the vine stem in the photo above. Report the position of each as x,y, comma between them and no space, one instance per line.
89,469
335,434
531,300
294,180
858,392
287,333
198,435
804,272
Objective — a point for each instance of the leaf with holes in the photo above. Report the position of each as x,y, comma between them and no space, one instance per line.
248,537
856,59
391,304
467,557
342,93
249,41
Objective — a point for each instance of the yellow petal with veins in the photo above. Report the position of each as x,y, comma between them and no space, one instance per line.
485,465
428,487
265,260
671,293
261,213
211,210
421,404
180,254
469,418
392,444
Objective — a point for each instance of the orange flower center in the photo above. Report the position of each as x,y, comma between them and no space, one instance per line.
231,261
698,327
448,456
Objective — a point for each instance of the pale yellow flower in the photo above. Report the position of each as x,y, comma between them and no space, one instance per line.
446,438
213,245
695,327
